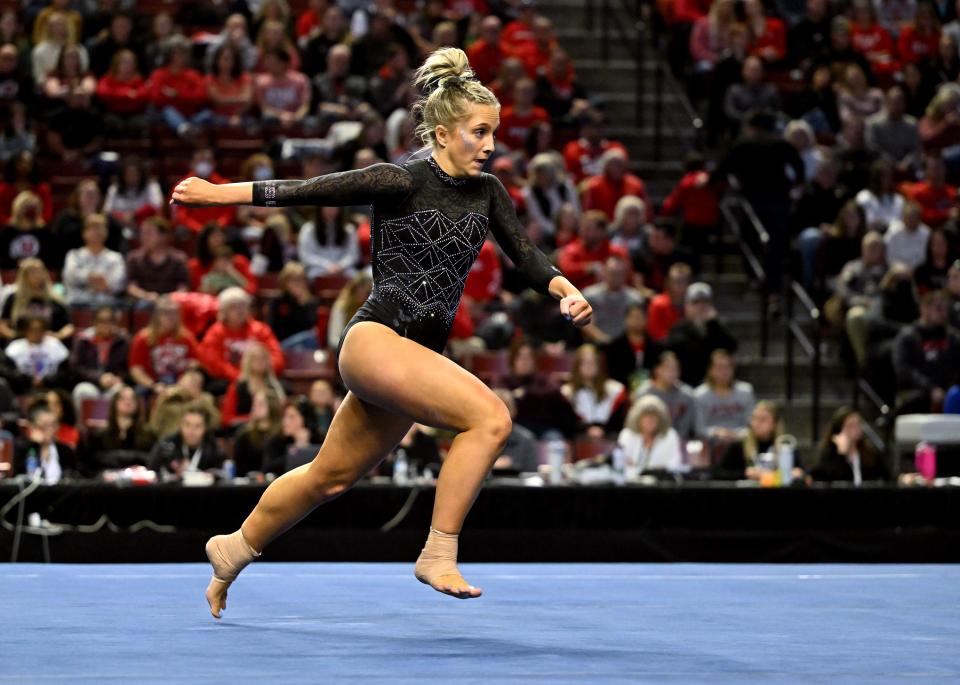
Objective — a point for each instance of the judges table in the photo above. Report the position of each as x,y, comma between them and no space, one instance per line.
674,522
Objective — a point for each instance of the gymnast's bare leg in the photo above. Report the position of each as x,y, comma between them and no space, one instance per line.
393,381
360,436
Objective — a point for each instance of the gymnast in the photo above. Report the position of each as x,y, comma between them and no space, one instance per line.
430,219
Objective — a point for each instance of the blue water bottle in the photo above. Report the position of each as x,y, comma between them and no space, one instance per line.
33,464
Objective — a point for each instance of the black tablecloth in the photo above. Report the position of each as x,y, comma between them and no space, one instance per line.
508,523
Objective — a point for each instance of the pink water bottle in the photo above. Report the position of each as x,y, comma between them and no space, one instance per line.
925,459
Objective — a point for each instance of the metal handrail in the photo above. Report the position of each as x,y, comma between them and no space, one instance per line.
862,386
727,207
793,331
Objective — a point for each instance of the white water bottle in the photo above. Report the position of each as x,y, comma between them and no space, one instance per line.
556,454
401,468
786,457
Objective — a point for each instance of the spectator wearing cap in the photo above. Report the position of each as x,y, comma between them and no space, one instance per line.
667,308
695,337
487,52
603,191
582,259
665,384
281,93
583,155
223,345
610,299
178,92
926,356
907,238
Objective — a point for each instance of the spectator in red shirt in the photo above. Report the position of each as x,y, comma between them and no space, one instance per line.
504,168
483,281
937,199
667,307
517,119
582,259
20,173
178,91
309,22
511,71
871,39
211,239
582,156
121,92
536,53
223,345
163,350
520,30
603,191
195,218
696,201
768,33
229,88
487,53
919,41
282,93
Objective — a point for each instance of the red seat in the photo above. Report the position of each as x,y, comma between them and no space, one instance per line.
588,448
489,366
303,367
323,321
326,288
94,412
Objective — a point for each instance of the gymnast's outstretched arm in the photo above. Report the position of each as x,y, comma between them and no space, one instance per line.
343,188
543,276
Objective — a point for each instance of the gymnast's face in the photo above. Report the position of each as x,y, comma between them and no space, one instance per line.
465,147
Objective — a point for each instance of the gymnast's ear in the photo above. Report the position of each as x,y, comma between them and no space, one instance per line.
442,135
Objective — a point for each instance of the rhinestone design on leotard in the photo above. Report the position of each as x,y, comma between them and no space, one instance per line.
425,258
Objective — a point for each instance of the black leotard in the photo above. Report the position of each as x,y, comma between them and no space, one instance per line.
427,230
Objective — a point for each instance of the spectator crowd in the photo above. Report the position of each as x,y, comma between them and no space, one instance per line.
136,333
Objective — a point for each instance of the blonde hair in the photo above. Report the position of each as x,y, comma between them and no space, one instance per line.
623,206
448,86
348,300
270,378
648,404
153,328
289,272
24,294
19,206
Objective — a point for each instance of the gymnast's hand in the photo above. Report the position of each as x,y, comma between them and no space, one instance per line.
194,192
576,308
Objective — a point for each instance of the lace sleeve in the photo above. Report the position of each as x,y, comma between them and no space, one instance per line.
509,233
340,189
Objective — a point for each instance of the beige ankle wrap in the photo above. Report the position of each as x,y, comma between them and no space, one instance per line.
229,554
438,558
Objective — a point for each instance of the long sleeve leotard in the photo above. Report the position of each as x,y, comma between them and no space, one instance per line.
427,230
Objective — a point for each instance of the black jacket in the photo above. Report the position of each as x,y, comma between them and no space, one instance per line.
172,448
694,345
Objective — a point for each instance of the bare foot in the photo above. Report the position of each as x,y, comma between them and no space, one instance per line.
228,554
216,595
452,584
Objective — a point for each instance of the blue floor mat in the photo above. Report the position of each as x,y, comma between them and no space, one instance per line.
537,623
